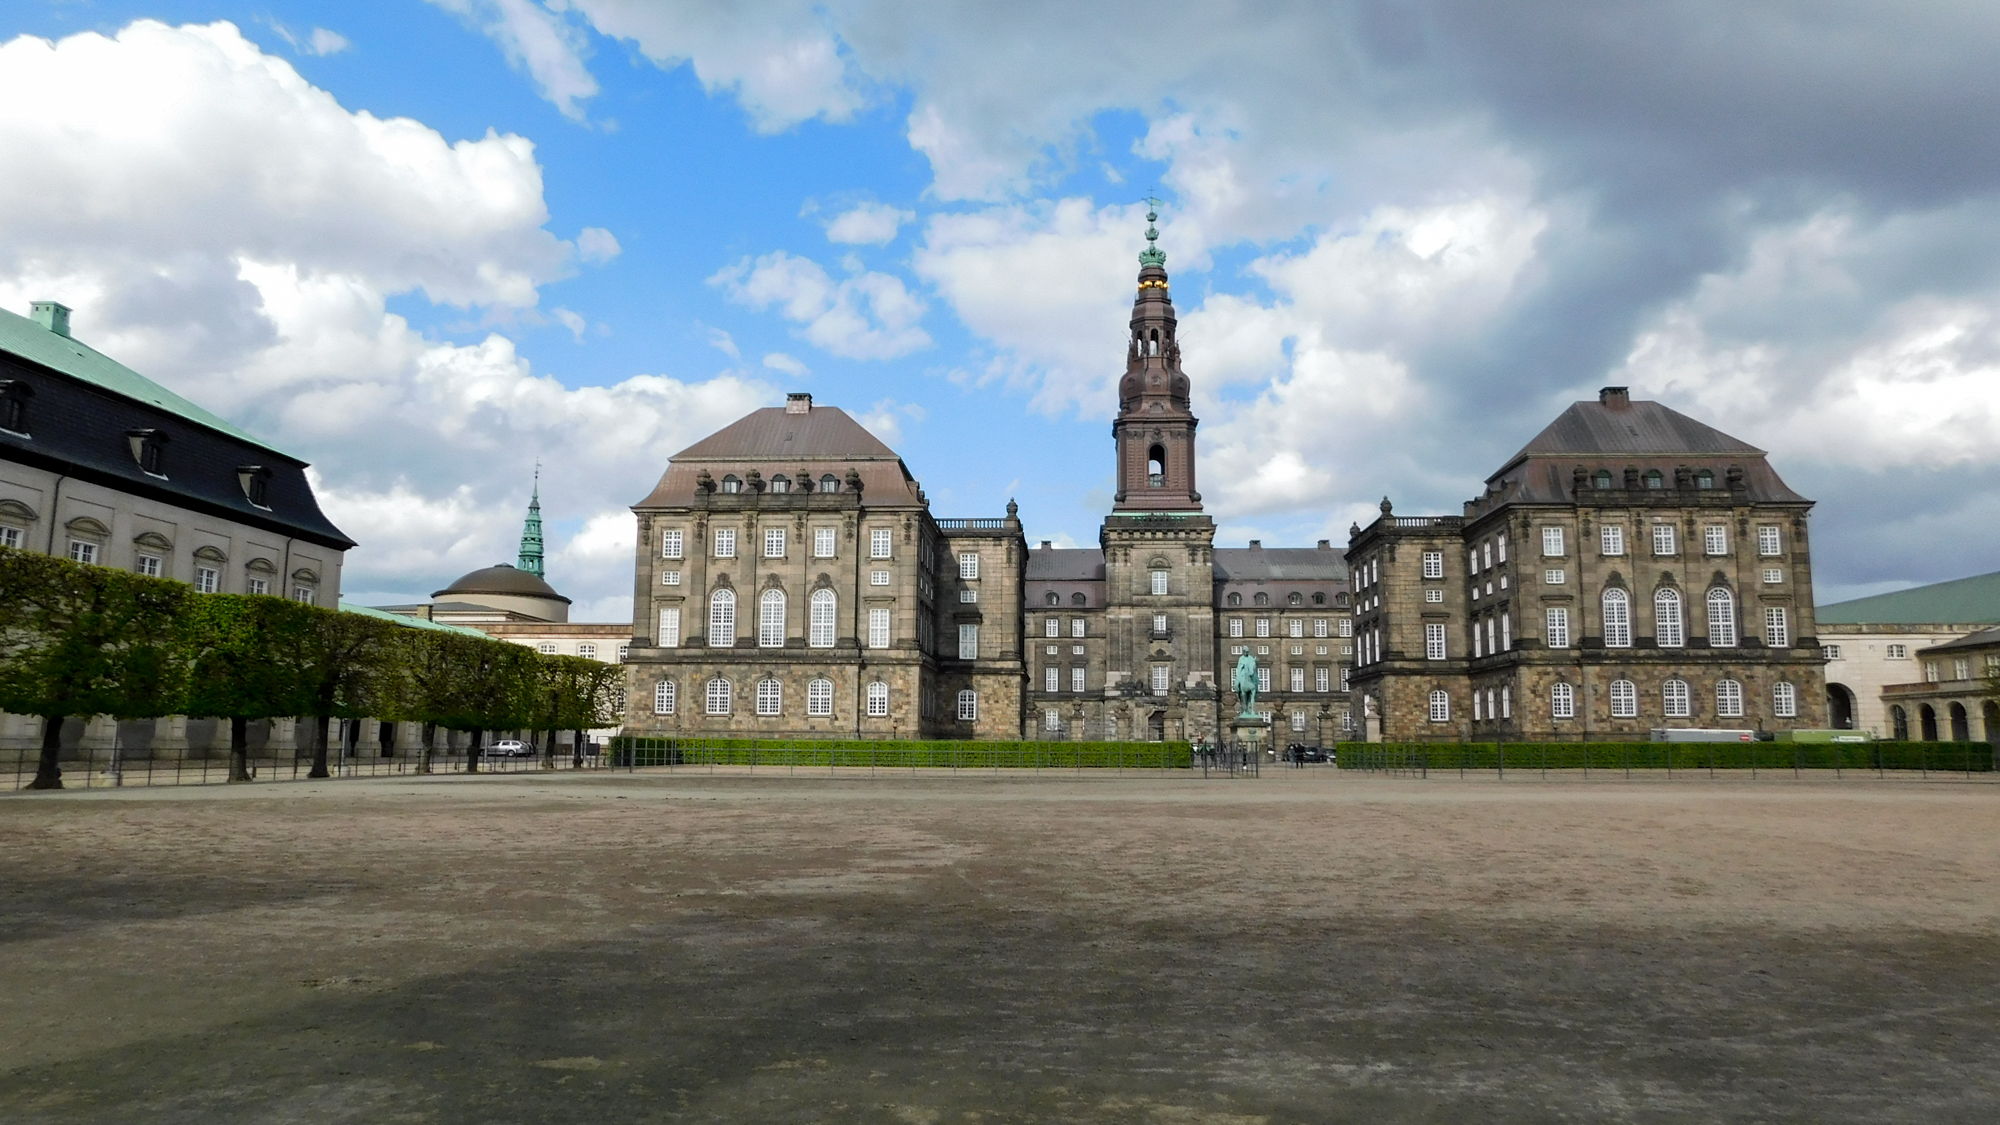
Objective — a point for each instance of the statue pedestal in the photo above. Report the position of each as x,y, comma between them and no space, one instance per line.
1250,735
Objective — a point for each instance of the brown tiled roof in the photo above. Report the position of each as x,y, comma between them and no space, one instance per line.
823,432
1638,429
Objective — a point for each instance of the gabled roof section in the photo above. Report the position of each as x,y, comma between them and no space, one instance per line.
1961,601
70,356
1980,639
1613,426
1280,564
774,433
1065,564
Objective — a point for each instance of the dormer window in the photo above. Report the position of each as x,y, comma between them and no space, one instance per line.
1236,599
149,450
255,481
781,483
1263,599
1602,480
14,396
829,483
1704,479
1654,479
731,483
1295,599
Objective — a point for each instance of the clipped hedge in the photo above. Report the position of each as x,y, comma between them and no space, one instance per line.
632,751
1950,757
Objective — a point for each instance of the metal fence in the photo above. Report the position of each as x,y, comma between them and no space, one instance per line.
833,756
100,768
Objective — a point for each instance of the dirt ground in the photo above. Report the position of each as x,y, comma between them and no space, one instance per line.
1304,947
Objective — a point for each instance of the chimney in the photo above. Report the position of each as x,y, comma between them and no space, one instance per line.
798,402
1326,544
1617,398
52,315
1048,544
1257,544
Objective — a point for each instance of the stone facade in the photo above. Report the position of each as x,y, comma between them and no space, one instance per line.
1630,569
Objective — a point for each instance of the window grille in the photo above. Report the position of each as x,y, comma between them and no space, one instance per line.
1298,679
1721,618
822,542
878,543
878,700
968,642
670,544
207,580
1769,542
1322,679
1784,701
878,628
1552,542
819,698
1667,625
1663,539
1729,699
968,706
1434,642
1676,702
1161,677
1051,679
820,632
1777,627
1611,539
670,627
1078,627
1715,539
1433,564
1624,699
770,696
1159,582
718,696
774,542
771,620
1562,701
1077,677
725,542
663,698
1617,619
722,619
1440,706
968,565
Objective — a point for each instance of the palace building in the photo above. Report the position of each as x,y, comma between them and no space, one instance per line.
1629,569
791,582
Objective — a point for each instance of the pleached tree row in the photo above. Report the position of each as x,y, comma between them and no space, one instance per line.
78,641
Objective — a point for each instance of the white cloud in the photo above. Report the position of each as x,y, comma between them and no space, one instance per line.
885,419
324,42
867,316
723,342
570,320
596,245
869,224
538,41
779,361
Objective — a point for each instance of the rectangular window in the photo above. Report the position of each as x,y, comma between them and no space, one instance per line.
774,542
149,565
670,628
968,706
1472,560
1440,707
1476,714
259,585
670,578
663,698
1159,624
547,648
1079,627
1663,539
1898,652
1264,680
1784,701
1624,699
207,580
878,700
1162,675
878,578
1159,582
1562,701
1715,539
1236,626
878,543
670,544
1506,632
1298,679
1077,676
1051,679
1434,642
1502,544
1558,628
1296,627
302,594
1433,564
968,564
1777,629
1552,542
822,542
1611,539
1830,652
878,628
1961,669
1343,677
1768,542
1552,578
1052,627
82,552
1263,626
1489,556
1298,720
968,596
1346,626
725,542
10,537
1729,699
968,642
770,697
1322,679
819,698
1319,627
1931,674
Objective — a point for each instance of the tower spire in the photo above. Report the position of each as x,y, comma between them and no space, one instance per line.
531,531
1152,255
1154,430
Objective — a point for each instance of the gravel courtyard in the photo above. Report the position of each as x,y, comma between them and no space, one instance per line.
1305,947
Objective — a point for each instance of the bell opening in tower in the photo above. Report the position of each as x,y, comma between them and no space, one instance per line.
1156,467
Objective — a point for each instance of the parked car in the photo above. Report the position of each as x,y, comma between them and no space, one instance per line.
510,748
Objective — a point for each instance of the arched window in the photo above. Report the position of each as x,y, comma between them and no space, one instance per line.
1675,699
1729,699
1624,699
1721,619
968,706
1899,724
822,619
770,696
1078,599
730,483
1704,479
718,696
663,698
1319,599
1927,723
1153,342
781,483
1562,701
1602,479
829,483
1156,466
1654,479
819,698
1054,598
1295,599
1784,701
878,700
1262,599
1440,706
722,619
771,619
1667,628
1617,619
1236,599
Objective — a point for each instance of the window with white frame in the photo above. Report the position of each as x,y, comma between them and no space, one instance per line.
1434,642
1052,627
1668,628
1676,702
670,627
725,542
1552,578
1434,595
771,619
303,594
1506,631
1721,619
770,696
1501,543
1477,712
1263,626
670,544
1051,679
1769,543
820,631
1433,564
1488,552
823,542
547,648
1440,706
663,698
1346,627
1777,627
1236,626
968,564
878,543
1472,560
10,536
878,699
1295,627
82,551
1158,582
968,642
587,651
624,651
722,619
1830,652
1322,679
774,542
1774,577
1611,539
968,706
1077,679
1897,652
1052,719
1264,680
1162,677
968,596
1715,539
717,696
1298,679
878,628
878,578
1729,699
819,698
1320,626
1506,701
207,580
670,578
1562,701
1617,619
1784,701
1343,677
150,565
1079,627
1663,539
1624,699
1552,542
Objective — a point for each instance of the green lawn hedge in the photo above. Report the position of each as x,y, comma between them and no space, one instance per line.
900,754
1953,757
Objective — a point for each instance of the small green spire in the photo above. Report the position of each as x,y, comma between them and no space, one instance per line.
1152,255
531,531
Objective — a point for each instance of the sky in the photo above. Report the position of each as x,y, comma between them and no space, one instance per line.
427,245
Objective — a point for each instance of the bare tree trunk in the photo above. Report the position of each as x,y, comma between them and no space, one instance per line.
472,752
48,775
319,748
239,748
576,749
430,742
549,752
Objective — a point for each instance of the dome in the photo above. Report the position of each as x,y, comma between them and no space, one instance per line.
505,580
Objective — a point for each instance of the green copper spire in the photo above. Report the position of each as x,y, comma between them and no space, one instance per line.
531,531
1152,255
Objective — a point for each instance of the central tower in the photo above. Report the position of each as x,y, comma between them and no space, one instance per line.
1154,430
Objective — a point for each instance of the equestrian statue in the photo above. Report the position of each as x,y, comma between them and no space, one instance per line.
1245,682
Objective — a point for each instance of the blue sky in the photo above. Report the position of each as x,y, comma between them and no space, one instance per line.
425,244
